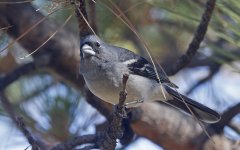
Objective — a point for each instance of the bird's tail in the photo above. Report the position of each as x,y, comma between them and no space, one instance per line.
200,111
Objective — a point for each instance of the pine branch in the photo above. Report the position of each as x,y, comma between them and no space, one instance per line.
186,58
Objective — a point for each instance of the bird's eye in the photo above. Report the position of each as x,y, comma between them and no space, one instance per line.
97,44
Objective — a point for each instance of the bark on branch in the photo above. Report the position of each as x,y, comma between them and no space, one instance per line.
197,39
82,17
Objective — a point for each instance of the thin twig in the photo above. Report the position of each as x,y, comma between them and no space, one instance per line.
70,144
29,30
213,71
16,74
19,123
197,39
49,38
27,134
115,129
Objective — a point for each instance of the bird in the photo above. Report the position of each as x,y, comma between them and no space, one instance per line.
103,65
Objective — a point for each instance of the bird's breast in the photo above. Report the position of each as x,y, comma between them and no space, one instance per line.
103,84
106,83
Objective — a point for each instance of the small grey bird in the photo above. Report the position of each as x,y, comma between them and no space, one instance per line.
103,65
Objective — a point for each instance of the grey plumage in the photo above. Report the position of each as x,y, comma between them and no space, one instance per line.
102,66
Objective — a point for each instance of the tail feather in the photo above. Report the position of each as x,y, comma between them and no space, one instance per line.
202,112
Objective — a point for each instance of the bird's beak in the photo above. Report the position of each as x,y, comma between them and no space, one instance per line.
87,51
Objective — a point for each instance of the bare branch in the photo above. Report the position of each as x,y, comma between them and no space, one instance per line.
27,134
115,128
70,144
16,74
92,15
235,127
36,144
82,17
227,116
213,70
197,39
217,128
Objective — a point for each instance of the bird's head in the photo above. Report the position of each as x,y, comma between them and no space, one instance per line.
94,51
93,47
90,46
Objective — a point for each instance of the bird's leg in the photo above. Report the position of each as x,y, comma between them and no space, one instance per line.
127,105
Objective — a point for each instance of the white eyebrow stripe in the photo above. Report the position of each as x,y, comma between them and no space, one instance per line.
130,61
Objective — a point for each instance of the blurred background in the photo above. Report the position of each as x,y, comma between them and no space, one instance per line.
55,111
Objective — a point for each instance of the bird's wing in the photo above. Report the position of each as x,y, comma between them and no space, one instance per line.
140,66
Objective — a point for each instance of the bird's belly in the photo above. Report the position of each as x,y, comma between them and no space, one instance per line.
138,88
108,91
103,85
